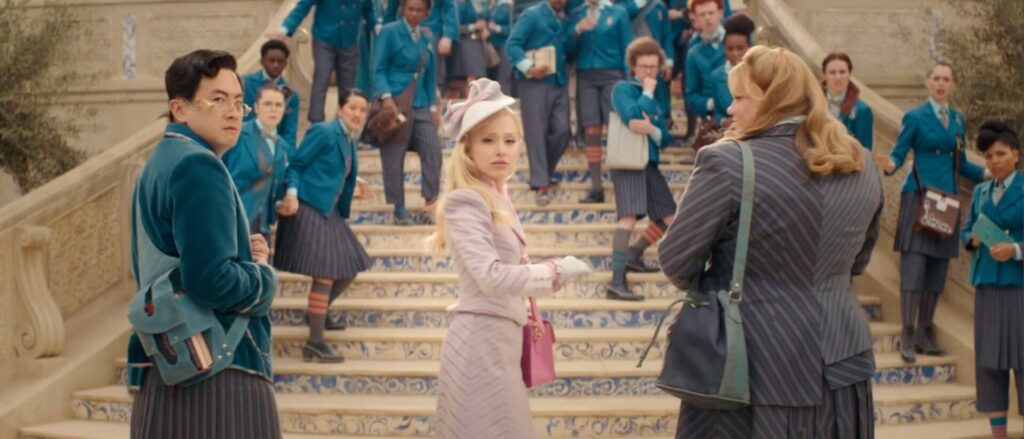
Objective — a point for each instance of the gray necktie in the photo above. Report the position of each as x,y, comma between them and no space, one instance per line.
944,116
997,193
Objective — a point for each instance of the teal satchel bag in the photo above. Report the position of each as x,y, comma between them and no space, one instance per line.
706,359
183,338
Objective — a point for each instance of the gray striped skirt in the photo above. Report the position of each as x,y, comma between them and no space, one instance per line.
319,246
640,193
999,327
845,413
230,405
909,241
469,59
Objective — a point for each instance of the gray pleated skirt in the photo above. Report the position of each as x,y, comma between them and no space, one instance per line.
322,247
231,405
909,241
999,327
845,413
642,193
594,94
469,59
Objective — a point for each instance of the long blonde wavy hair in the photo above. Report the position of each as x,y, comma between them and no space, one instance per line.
461,173
788,88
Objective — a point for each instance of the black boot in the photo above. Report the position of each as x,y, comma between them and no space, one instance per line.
593,197
924,342
335,325
320,353
637,263
618,290
907,345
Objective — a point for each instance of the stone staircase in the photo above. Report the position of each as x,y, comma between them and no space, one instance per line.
396,317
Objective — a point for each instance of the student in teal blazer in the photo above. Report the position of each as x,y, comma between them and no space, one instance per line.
597,44
935,133
336,25
544,100
998,274
500,25
844,98
258,161
401,46
274,59
443,22
314,237
739,30
706,53
189,217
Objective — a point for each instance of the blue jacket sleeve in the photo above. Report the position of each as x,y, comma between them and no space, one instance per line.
369,14
505,12
625,37
864,127
972,216
381,63
905,141
430,77
215,267
345,204
298,13
515,47
666,35
967,169
311,147
450,20
289,128
630,107
391,14
695,101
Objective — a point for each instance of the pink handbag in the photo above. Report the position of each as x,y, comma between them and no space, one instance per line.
538,362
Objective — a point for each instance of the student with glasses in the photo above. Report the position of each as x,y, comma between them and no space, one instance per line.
187,215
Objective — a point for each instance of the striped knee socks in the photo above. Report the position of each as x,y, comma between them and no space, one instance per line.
998,427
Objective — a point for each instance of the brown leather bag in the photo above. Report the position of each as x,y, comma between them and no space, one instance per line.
938,211
386,126
708,132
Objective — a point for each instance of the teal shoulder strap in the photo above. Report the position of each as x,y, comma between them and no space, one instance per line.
746,210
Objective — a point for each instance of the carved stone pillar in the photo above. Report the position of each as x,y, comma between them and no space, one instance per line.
39,332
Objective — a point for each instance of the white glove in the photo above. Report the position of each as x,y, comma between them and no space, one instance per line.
571,267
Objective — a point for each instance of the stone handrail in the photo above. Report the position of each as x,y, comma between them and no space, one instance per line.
781,26
68,242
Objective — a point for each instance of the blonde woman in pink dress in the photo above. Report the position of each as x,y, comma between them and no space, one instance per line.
481,392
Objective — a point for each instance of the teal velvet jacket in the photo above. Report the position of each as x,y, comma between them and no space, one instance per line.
934,146
630,103
317,171
1009,216
190,209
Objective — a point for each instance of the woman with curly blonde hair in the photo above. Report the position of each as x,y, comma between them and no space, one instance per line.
480,391
816,204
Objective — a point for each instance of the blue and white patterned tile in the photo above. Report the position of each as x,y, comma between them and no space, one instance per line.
104,411
431,264
538,239
431,350
617,426
572,176
885,343
911,375
926,412
580,215
427,386
129,34
357,425
874,311
439,319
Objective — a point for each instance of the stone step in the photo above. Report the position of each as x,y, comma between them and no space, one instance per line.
565,193
600,378
924,404
966,429
405,416
537,235
372,285
571,344
529,213
566,173
415,260
370,159
433,313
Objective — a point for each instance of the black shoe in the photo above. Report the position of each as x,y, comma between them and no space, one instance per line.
593,197
403,219
622,292
320,353
907,345
335,325
640,265
924,342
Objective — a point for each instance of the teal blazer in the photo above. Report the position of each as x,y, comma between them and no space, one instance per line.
501,15
933,146
189,208
289,126
1009,215
630,103
701,60
258,174
317,171
467,15
537,27
443,19
395,58
721,94
860,123
335,22
603,47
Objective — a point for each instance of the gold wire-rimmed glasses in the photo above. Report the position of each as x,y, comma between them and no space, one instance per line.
222,104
